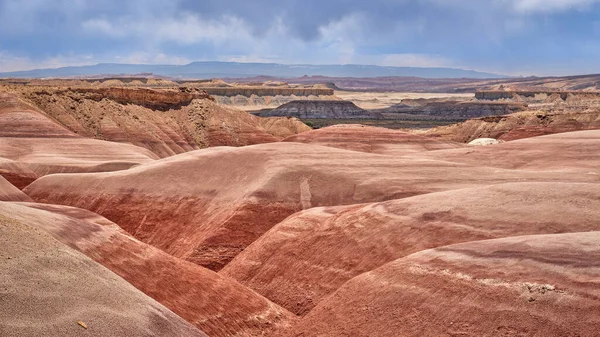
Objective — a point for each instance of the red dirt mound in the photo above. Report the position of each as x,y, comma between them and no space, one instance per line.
240,193
570,152
49,289
217,305
372,140
520,125
542,285
333,244
9,192
185,121
33,145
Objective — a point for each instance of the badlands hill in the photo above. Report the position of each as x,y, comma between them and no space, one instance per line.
371,140
240,193
360,238
540,285
547,112
347,230
165,121
218,306
320,109
33,145
42,277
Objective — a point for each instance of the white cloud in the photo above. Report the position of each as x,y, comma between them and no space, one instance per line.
414,60
187,29
548,6
10,62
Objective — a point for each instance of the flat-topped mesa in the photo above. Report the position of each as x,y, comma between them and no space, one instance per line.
150,98
541,95
320,109
262,91
454,109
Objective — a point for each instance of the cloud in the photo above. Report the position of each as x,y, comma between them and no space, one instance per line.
185,29
415,60
9,62
548,6
495,35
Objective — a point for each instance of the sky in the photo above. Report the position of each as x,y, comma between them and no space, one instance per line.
512,37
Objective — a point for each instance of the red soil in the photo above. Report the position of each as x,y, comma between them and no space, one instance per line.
372,140
33,145
240,193
9,192
50,289
331,245
541,285
217,305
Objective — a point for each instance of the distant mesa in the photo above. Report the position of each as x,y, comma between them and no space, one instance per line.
459,110
336,109
205,70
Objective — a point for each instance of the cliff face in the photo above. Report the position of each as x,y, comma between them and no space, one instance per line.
162,100
458,110
539,96
263,91
321,109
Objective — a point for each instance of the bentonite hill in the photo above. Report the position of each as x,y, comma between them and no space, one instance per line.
151,209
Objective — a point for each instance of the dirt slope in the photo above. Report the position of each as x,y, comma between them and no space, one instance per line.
333,244
240,193
518,125
47,287
33,145
9,192
180,121
541,285
371,139
218,306
569,152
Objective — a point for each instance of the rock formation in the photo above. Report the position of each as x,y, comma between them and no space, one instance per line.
518,125
453,109
320,109
187,120
33,145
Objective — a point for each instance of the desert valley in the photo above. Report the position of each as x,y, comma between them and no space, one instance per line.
151,207
299,168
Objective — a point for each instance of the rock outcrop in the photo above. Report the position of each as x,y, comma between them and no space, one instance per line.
453,110
33,145
320,109
186,120
519,125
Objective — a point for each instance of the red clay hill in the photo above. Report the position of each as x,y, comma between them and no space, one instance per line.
240,193
50,289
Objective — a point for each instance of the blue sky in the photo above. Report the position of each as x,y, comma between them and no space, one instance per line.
515,37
